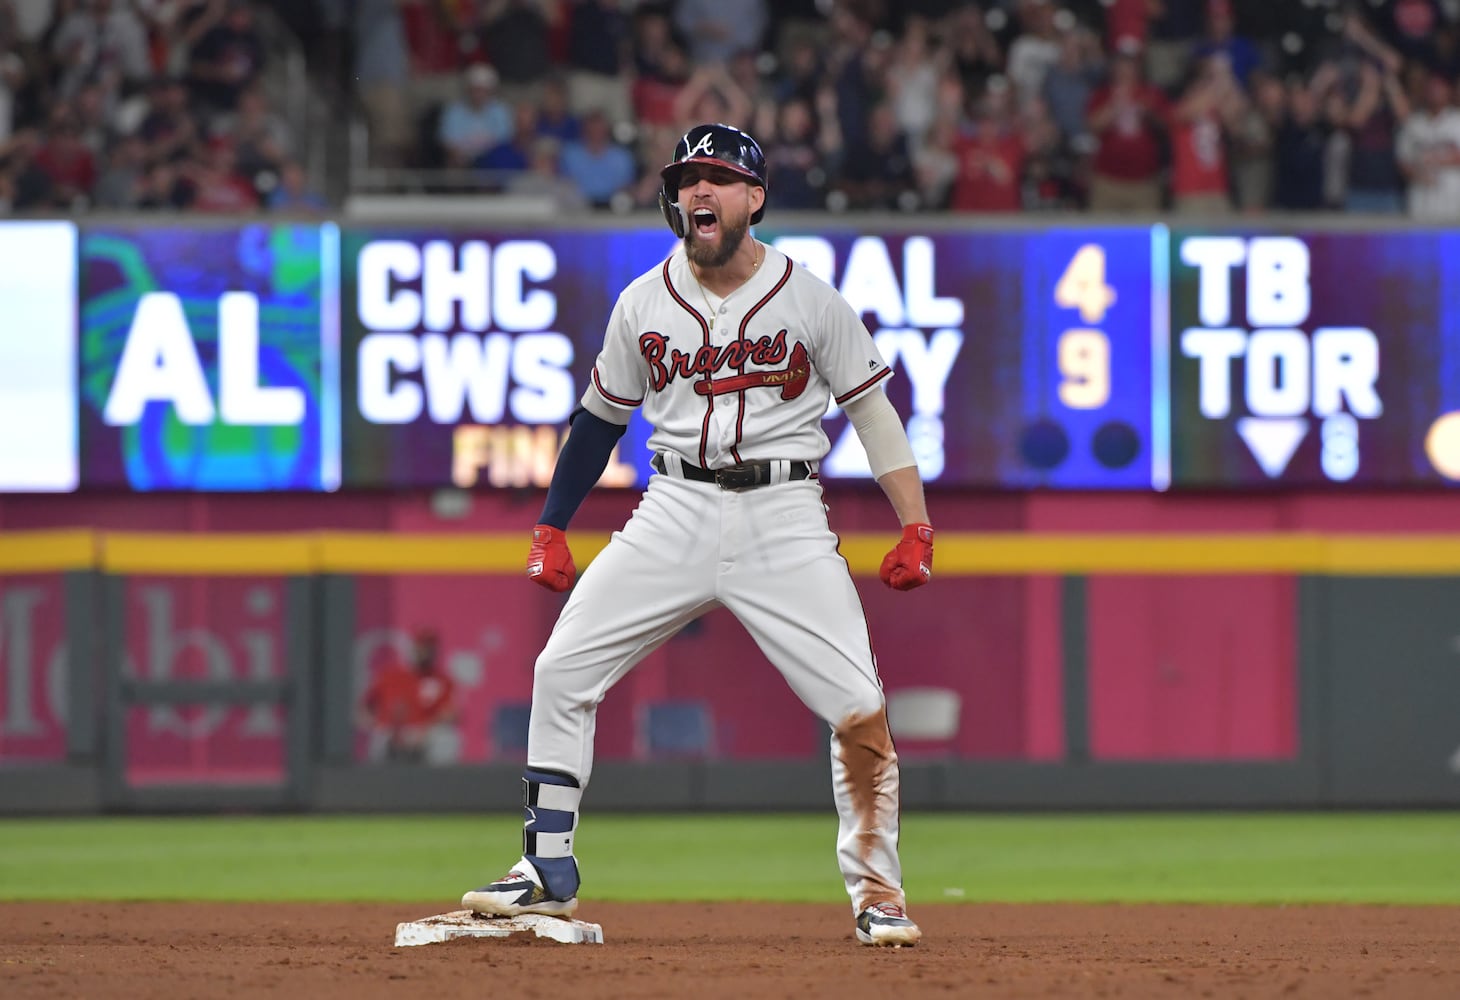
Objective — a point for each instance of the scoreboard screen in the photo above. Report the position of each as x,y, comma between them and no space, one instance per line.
1020,359
251,356
1315,359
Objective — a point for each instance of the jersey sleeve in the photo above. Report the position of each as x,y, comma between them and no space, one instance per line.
620,376
845,353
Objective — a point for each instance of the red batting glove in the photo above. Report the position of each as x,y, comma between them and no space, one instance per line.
549,563
910,563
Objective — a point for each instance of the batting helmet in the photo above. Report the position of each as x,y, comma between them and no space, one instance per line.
722,145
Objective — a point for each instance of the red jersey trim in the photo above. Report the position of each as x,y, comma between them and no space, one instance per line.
705,332
884,373
620,400
740,415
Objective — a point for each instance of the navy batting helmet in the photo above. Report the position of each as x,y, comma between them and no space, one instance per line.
722,145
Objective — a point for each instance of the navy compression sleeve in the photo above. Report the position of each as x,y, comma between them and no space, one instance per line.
584,457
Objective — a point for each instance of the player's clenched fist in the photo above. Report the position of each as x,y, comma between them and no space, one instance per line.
910,563
549,563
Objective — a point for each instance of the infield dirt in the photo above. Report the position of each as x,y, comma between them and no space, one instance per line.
713,950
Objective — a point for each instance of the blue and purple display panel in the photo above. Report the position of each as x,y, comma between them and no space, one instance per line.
202,358
1022,359
1315,359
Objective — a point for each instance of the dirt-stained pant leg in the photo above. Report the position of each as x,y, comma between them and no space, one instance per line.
654,576
783,578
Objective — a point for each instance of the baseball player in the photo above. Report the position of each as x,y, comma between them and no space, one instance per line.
732,350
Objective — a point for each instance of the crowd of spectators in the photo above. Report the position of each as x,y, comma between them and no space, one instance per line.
141,104
1191,106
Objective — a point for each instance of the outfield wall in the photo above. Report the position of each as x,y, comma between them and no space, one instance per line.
1095,669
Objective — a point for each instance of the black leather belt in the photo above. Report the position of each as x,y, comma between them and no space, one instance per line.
745,476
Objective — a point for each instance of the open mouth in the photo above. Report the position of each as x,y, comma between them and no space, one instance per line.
705,223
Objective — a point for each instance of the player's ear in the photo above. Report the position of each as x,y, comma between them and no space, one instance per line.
757,198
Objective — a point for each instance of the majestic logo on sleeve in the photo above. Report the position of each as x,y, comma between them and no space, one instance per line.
666,365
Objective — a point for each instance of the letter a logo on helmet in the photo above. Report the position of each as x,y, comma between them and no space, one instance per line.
722,145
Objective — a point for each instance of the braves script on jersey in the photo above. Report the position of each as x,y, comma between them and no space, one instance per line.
751,387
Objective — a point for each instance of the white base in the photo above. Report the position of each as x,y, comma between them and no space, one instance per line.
466,924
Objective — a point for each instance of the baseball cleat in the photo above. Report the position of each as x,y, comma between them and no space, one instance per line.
516,893
887,924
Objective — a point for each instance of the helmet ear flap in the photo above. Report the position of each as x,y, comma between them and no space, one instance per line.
673,214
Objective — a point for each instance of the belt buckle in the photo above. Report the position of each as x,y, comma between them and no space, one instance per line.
736,478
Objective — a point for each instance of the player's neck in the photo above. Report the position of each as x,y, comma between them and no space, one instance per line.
733,273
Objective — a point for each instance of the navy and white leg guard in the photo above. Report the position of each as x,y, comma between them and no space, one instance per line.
546,879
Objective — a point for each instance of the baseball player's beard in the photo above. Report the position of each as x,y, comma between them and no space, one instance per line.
704,255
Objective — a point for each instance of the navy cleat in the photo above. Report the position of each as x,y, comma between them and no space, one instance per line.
519,891
887,924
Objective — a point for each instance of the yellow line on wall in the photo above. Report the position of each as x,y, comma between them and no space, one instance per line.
956,554
47,551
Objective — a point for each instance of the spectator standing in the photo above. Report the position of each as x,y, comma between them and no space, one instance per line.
1372,118
382,77
68,166
555,115
101,36
1070,82
1429,154
1254,138
912,80
1128,118
259,136
1174,28
1221,39
476,121
877,173
1370,106
1034,51
1210,106
120,185
1301,146
715,30
598,166
796,157
976,52
228,59
600,54
405,702
990,165
935,164
514,36
214,185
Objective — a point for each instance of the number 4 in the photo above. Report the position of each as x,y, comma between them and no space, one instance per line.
1083,286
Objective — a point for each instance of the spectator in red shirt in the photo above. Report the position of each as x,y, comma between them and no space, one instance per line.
65,161
990,165
1211,107
1127,117
215,184
405,701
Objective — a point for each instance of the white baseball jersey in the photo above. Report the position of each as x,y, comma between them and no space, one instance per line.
745,378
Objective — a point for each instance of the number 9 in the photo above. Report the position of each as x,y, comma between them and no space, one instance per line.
1084,360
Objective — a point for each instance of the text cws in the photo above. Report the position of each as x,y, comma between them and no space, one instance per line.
461,336
1287,374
